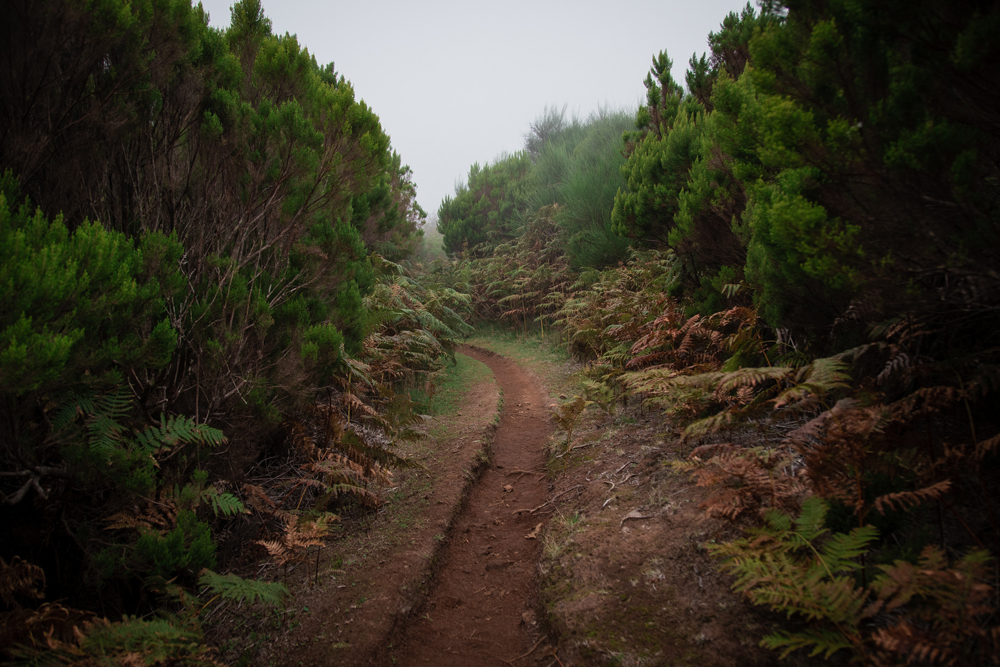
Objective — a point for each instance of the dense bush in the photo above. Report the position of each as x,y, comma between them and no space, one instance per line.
816,307
193,226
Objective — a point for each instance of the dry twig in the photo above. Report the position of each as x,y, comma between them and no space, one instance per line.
548,502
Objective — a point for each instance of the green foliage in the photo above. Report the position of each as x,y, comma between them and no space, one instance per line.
786,566
238,589
689,162
198,492
80,301
58,635
198,246
574,165
587,192
829,174
489,208
911,611
847,92
523,281
187,548
155,641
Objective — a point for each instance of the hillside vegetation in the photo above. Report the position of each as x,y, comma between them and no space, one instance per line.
217,312
206,342
809,290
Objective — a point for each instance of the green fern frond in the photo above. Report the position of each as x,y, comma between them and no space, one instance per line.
796,567
749,377
238,589
223,503
178,430
155,641
817,380
819,640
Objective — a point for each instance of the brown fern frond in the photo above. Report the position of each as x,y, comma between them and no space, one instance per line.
904,500
20,579
744,479
944,611
690,332
336,469
302,441
302,539
156,515
126,521
341,461
329,425
308,482
257,499
56,630
366,496
296,538
355,403
838,445
985,447
926,401
276,549
646,360
294,541
899,362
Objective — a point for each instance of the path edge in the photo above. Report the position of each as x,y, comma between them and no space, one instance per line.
413,603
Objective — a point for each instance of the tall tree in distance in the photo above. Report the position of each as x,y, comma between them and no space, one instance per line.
489,208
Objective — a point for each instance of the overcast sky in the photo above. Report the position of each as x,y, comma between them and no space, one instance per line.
459,82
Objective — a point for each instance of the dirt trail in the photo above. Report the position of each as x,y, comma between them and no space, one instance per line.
481,610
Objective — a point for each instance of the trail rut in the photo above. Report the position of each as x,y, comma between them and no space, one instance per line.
481,609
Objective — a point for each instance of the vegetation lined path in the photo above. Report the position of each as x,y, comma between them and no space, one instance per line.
481,609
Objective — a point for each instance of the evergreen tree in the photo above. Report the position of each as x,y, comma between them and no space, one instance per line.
489,208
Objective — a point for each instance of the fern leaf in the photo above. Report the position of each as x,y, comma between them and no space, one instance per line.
176,430
817,379
20,579
223,503
276,549
904,500
819,640
238,589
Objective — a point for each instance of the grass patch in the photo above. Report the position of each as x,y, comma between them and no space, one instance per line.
458,380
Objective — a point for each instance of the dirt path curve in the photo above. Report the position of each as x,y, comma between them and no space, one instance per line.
481,610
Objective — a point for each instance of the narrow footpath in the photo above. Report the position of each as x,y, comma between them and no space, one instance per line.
481,609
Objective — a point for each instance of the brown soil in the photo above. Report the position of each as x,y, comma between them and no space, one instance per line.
596,555
482,609
627,577
444,575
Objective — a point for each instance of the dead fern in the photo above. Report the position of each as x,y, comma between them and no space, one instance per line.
755,479
905,500
297,538
20,580
940,614
343,458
